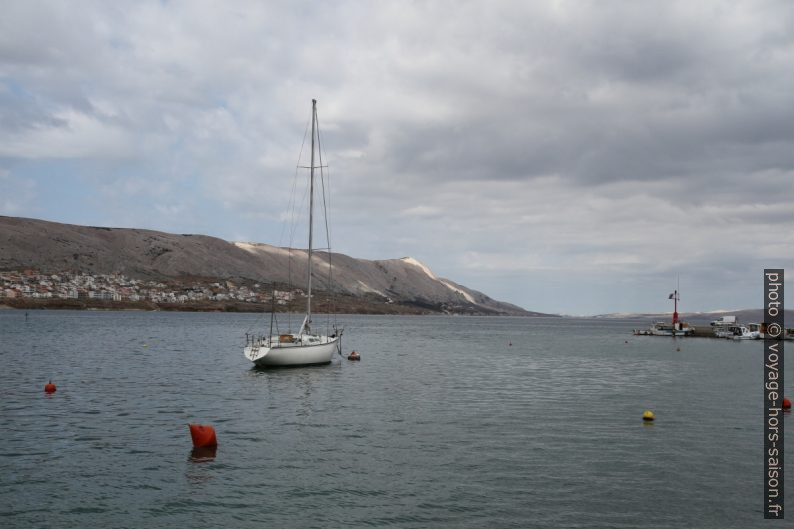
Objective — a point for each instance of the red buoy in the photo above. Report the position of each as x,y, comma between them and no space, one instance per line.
49,387
786,404
203,435
354,356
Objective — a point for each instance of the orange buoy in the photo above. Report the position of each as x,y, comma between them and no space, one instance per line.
786,404
49,387
203,435
354,356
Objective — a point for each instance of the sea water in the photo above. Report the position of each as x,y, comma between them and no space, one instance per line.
445,422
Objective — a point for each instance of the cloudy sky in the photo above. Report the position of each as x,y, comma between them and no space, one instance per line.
571,157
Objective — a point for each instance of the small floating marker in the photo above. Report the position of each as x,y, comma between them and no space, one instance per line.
510,344
786,404
203,435
146,345
49,387
625,341
354,356
648,416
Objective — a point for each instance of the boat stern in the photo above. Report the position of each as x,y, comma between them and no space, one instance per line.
255,352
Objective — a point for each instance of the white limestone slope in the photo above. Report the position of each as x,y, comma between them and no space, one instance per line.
421,266
410,260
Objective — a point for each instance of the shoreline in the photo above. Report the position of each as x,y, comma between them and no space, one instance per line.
344,306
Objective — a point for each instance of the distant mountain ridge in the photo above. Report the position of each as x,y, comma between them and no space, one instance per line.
147,254
742,315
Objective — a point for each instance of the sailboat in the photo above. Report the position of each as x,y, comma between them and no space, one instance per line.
303,347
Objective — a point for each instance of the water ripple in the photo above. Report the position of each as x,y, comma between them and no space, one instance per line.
442,425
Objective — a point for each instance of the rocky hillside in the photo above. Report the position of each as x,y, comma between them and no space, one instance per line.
145,254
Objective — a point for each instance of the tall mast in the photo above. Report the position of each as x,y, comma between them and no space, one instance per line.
311,217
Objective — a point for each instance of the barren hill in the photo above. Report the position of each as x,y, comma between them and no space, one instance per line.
144,254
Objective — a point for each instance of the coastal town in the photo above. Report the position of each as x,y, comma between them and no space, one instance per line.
76,290
32,284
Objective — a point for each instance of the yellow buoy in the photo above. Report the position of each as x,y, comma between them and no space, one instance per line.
647,415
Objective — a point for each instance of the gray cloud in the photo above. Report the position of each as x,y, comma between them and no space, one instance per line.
611,143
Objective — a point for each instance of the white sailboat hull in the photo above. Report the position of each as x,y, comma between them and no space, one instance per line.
300,353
